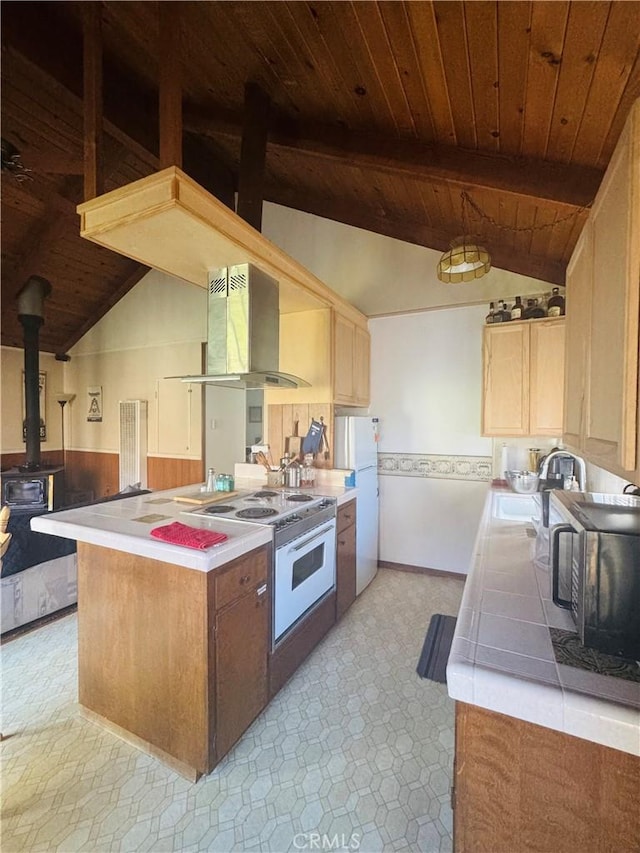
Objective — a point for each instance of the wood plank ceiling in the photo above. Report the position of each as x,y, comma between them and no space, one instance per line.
381,114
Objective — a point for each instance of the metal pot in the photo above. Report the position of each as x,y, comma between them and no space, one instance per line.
292,476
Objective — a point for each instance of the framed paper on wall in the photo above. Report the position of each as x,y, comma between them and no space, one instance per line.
42,393
94,409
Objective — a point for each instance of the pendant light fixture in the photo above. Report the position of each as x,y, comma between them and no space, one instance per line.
465,260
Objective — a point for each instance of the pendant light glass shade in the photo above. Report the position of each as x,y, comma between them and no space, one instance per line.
465,261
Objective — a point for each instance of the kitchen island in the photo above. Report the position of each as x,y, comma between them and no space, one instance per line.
547,754
173,643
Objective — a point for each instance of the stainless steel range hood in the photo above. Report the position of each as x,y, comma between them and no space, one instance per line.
243,334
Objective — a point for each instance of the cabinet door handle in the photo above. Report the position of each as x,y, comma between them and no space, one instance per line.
342,542
261,589
245,579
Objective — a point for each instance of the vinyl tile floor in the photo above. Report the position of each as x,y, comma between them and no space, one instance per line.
354,753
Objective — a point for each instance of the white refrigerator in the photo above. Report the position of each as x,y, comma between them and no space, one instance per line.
356,448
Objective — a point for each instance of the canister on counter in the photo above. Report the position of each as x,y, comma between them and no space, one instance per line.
534,459
308,473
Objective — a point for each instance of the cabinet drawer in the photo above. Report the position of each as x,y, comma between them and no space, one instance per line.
240,576
346,515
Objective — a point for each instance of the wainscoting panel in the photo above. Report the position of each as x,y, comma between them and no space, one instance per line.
164,473
99,472
435,466
89,471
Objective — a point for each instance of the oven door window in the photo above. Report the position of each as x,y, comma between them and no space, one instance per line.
307,565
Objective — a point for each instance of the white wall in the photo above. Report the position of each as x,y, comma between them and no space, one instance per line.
224,428
378,274
153,332
426,380
426,377
12,391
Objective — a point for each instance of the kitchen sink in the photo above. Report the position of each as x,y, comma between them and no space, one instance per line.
510,506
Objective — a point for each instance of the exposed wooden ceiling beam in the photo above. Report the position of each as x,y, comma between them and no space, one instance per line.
566,187
206,166
51,43
170,84
92,98
412,232
253,152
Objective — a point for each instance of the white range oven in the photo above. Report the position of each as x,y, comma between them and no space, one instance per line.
304,540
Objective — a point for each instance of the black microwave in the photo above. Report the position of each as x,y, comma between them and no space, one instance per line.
595,568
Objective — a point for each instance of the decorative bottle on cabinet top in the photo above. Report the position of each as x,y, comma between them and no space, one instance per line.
504,311
516,311
533,310
555,305
490,316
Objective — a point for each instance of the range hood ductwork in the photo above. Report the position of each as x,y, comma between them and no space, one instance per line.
243,331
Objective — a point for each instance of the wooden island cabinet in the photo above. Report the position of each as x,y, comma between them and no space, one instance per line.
173,660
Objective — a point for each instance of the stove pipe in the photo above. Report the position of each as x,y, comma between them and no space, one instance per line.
30,313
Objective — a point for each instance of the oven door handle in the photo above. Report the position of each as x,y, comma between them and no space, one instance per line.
556,532
315,536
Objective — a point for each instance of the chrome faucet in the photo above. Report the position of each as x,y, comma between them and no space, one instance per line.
579,468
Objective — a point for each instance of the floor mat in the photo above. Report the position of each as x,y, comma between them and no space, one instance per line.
436,648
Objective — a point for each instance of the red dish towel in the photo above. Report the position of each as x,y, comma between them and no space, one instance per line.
191,537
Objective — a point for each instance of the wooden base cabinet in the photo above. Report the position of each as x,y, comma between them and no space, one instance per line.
172,659
523,378
522,787
346,558
242,634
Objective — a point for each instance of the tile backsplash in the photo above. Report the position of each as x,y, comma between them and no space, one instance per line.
518,452
598,480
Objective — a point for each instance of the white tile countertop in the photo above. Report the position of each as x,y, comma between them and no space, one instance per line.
126,524
502,658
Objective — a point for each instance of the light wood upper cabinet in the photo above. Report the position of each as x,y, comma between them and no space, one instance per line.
546,377
330,351
506,386
578,321
351,362
523,378
343,357
603,295
361,366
